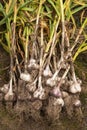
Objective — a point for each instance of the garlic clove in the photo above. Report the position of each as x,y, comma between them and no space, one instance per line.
33,64
59,101
47,72
75,88
25,76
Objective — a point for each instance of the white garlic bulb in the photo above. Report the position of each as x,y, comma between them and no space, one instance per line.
51,82
5,88
25,76
33,64
39,93
59,101
75,87
47,72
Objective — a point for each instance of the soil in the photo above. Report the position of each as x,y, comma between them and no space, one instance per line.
16,120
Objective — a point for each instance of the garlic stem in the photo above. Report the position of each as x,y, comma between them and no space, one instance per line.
10,89
73,73
58,70
26,50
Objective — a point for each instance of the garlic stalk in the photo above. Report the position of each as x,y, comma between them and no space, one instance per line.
75,86
26,76
52,81
9,95
47,72
39,93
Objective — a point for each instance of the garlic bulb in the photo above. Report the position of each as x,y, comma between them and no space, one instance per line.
47,72
56,92
33,64
75,87
77,103
51,82
59,101
5,88
9,94
25,76
31,87
39,93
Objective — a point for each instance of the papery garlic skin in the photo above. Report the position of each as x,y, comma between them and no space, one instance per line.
25,76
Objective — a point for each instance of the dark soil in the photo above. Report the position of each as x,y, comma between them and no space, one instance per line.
35,118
